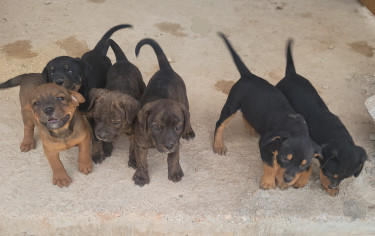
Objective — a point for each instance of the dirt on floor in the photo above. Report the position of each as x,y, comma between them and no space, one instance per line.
219,195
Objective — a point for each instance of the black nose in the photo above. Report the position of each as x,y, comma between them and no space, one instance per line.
169,146
49,110
288,178
60,82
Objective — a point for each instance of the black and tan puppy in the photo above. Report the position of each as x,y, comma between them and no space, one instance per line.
285,146
28,84
61,127
341,157
82,74
163,119
115,107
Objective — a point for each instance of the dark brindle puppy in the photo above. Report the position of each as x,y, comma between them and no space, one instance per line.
82,74
61,127
28,84
115,107
285,146
341,157
163,118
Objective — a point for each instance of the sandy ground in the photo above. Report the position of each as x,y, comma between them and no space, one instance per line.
334,43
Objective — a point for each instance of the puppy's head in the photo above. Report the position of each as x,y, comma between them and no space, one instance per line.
65,71
54,106
164,121
293,149
112,111
340,160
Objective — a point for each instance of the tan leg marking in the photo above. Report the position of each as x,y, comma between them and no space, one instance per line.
325,183
219,146
60,177
268,178
248,126
303,178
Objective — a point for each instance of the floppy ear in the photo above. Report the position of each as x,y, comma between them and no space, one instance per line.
362,158
76,97
188,133
272,140
45,74
131,107
94,93
142,115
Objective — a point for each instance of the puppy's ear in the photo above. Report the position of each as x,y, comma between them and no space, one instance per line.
45,74
272,140
188,133
142,115
131,107
76,97
362,158
94,93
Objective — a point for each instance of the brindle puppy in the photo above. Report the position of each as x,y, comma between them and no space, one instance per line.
115,107
163,118
82,74
61,127
28,84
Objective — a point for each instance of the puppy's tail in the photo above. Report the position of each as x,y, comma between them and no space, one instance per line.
12,82
120,55
162,59
290,69
102,45
237,60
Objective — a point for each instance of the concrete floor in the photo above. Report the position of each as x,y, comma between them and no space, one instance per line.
219,195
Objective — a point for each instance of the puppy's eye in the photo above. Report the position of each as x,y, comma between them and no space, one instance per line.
60,99
178,127
116,122
302,167
283,158
36,103
70,71
155,128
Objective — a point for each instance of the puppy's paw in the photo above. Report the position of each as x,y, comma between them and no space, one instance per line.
267,185
107,149
220,149
189,135
27,145
332,192
97,158
141,178
300,184
176,175
283,186
85,167
61,179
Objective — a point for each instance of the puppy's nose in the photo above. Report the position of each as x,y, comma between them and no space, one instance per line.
60,82
169,146
288,178
49,110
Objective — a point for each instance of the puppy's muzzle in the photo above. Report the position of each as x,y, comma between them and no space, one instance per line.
288,178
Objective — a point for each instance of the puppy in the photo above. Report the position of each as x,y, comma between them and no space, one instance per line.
82,74
285,146
115,107
341,157
28,84
61,127
163,119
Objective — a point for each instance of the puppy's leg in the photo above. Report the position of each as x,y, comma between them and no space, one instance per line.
175,172
97,150
141,174
107,149
28,141
84,160
325,183
303,178
227,113
248,126
132,162
269,169
60,177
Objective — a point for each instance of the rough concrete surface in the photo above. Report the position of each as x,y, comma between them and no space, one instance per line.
219,195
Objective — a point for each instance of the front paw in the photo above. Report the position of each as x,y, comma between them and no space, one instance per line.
189,135
107,149
61,179
220,149
332,192
85,167
27,144
267,184
141,178
176,175
98,158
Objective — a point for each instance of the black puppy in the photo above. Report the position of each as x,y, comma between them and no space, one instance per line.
285,146
163,119
341,157
115,107
82,74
